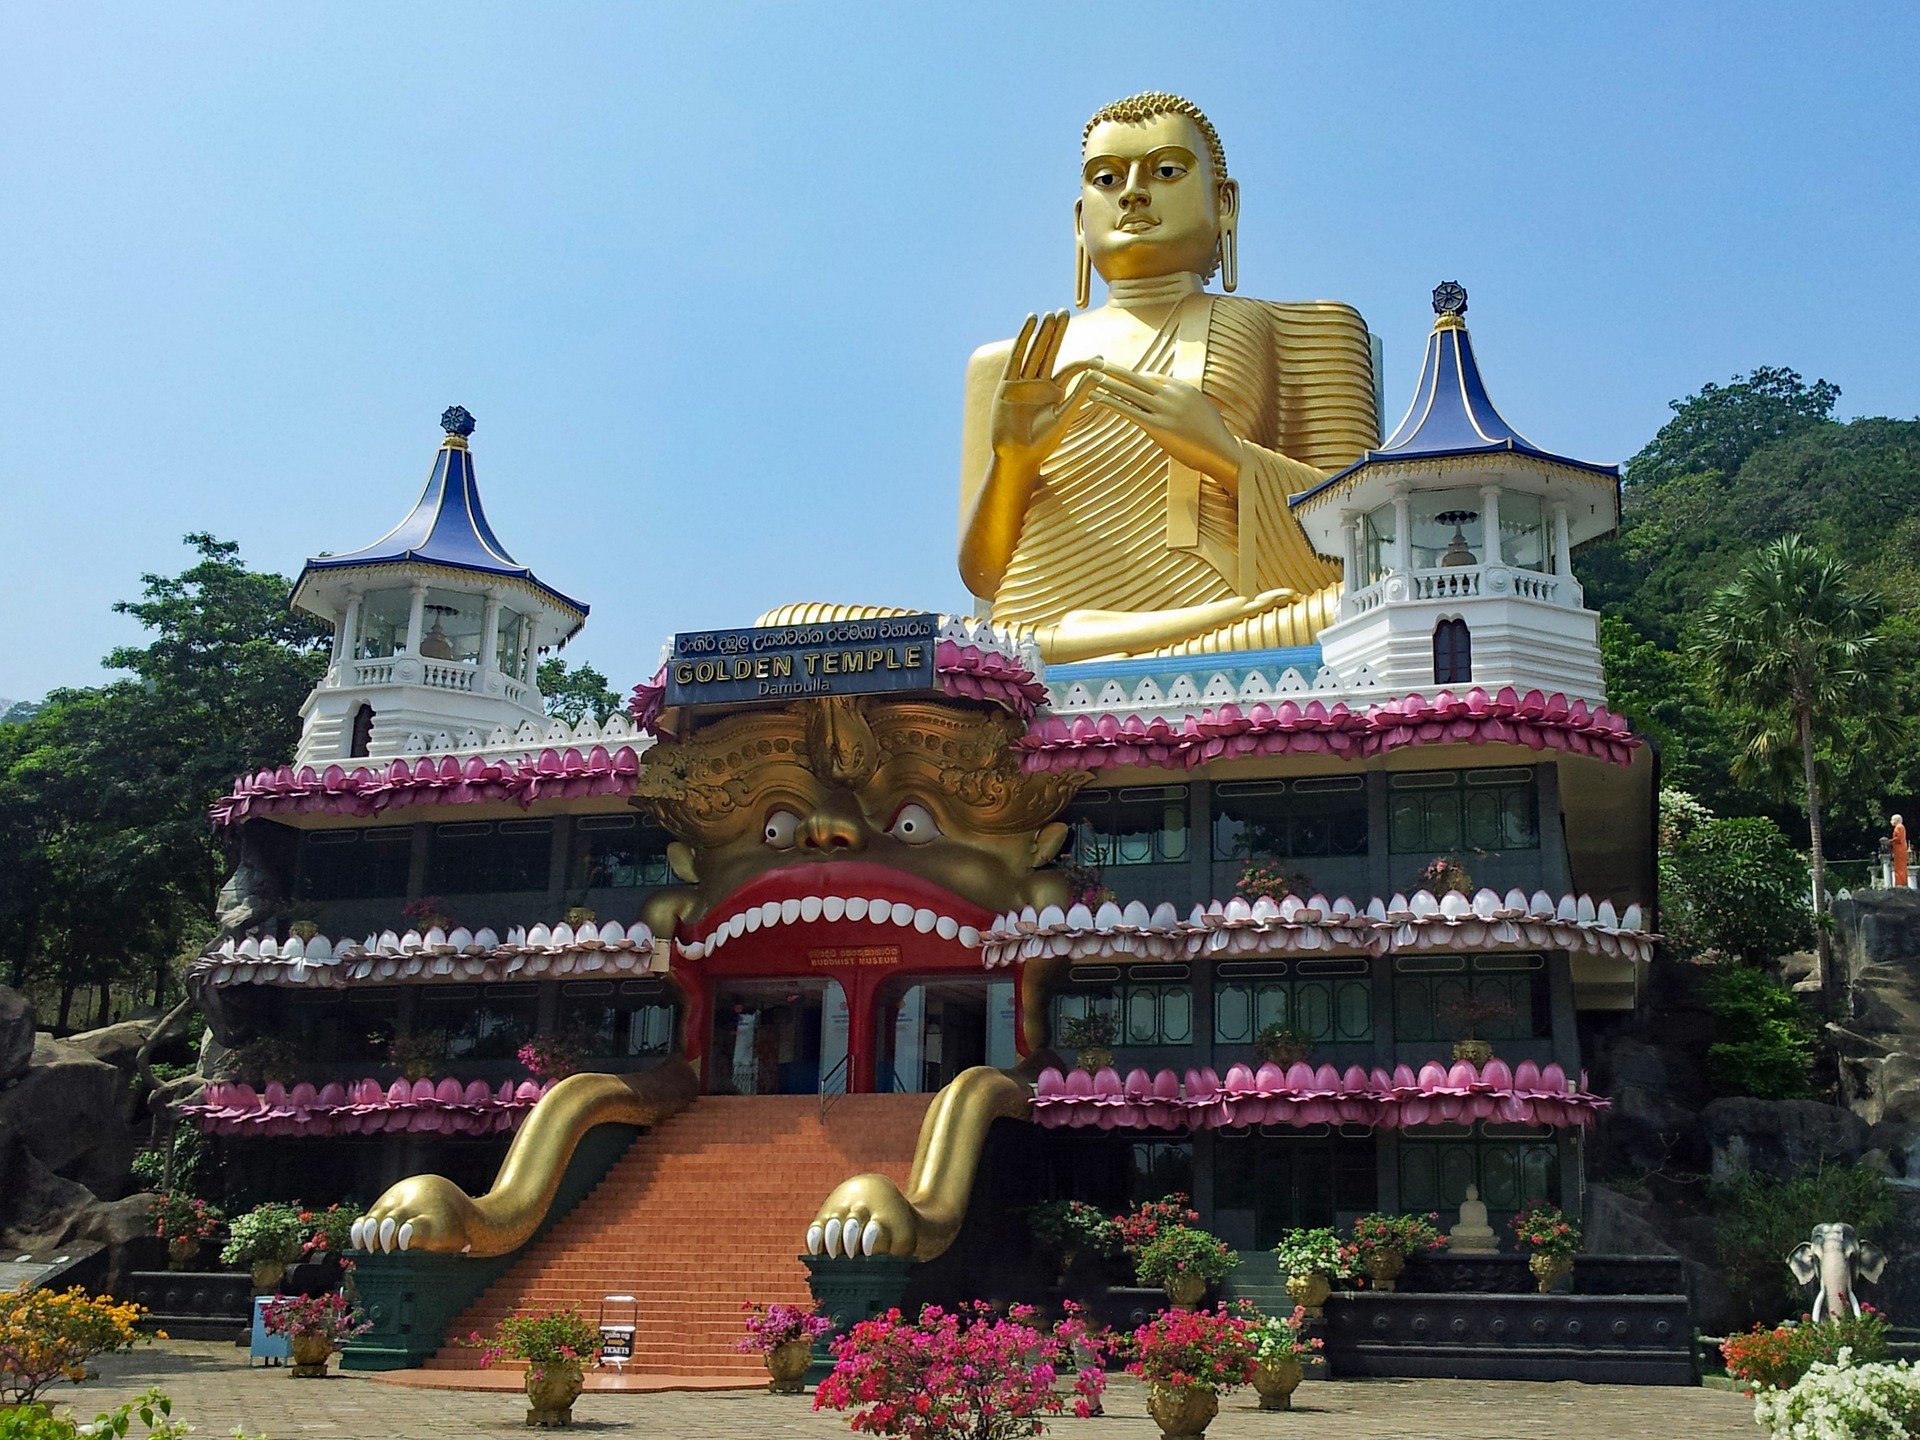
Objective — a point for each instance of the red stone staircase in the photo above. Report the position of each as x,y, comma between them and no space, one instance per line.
705,1211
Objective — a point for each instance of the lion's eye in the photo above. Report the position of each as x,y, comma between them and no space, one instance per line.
783,828
914,825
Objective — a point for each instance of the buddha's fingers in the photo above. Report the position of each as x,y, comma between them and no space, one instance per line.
1017,352
1054,340
1135,380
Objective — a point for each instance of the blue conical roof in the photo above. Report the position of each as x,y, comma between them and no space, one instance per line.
1452,414
447,526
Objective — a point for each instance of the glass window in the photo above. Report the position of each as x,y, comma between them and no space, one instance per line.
1484,997
1326,1001
509,644
1140,825
1444,812
383,624
1376,544
479,1022
1524,540
617,852
1515,1167
1439,516
484,857
354,864
1148,1009
1321,815
333,1028
452,619
1160,1168
1267,1184
1452,653
630,1019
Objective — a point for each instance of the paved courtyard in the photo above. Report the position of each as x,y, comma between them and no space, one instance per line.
214,1390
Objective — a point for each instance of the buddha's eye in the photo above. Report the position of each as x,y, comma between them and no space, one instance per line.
1105,179
914,825
1167,170
783,828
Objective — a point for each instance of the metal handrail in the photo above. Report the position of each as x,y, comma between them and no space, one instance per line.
833,1085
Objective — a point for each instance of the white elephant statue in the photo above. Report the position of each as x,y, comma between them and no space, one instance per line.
1835,1257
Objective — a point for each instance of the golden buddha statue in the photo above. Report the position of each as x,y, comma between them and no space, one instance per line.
1125,471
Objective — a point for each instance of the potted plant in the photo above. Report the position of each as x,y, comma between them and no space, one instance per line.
266,1239
578,915
1281,1044
1141,1225
1549,1240
548,1056
1085,885
429,912
262,1060
1383,1242
782,1336
314,1327
1091,1038
417,1053
1281,1349
303,924
1471,1015
1063,1228
1311,1259
1444,873
1188,1358
1265,878
957,1375
185,1223
555,1345
1184,1261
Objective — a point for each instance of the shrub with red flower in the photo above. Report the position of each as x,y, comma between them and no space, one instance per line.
1142,1225
1182,1349
1779,1358
969,1374
1543,1230
548,1056
331,1230
329,1315
771,1326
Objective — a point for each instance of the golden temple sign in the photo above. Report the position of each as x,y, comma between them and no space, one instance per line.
779,662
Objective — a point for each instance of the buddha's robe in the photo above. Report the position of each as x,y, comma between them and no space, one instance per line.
1115,524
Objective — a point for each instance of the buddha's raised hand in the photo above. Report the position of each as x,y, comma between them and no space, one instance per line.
1032,405
1176,415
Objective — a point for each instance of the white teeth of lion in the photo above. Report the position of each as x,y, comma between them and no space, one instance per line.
833,1236
789,911
717,939
879,912
870,1237
924,920
969,936
902,913
750,919
816,1238
810,908
354,1234
388,1227
693,950
736,926
857,908
405,1236
833,907
770,913
946,927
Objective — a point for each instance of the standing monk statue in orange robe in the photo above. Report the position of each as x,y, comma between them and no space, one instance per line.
1899,853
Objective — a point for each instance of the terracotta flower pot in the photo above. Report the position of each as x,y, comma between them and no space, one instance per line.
1549,1270
1185,1290
1285,1056
1276,1380
552,1387
182,1251
1384,1267
1310,1290
1182,1412
310,1355
1474,1052
267,1275
787,1364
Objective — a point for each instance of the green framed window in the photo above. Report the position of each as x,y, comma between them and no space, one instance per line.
617,852
1514,1166
1314,816
1326,1000
370,864
1135,825
480,1022
1450,812
486,857
1490,997
618,1020
1153,1004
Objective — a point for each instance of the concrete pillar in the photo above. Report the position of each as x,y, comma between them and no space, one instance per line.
349,645
1562,550
1490,519
416,614
1402,532
489,623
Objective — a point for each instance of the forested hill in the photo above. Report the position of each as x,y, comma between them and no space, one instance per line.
1740,465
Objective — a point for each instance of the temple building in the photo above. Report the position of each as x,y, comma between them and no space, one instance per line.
1289,884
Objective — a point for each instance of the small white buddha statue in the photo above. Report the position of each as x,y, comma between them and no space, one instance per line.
1472,1236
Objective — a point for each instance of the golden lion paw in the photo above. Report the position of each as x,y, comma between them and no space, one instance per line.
866,1216
427,1212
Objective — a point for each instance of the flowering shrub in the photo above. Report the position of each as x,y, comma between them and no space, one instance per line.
1181,1250
1280,1337
1543,1230
771,1326
1775,1359
550,1057
966,1375
1181,1349
328,1315
1280,1042
184,1217
1475,1013
1084,1032
48,1335
330,1231
1139,1227
1085,885
1444,873
153,1409
1265,878
1060,1226
264,1234
415,1055
1396,1234
427,913
552,1337
1845,1401
1303,1252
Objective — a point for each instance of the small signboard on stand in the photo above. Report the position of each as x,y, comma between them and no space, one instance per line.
617,1330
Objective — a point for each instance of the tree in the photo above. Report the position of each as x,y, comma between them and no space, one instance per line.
1799,644
572,695
1724,424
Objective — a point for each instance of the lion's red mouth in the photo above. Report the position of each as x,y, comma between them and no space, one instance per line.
840,901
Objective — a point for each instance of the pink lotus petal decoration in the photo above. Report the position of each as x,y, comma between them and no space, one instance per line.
362,1107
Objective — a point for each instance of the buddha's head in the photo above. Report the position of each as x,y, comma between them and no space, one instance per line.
1155,198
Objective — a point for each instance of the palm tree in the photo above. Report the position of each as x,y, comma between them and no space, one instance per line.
1794,646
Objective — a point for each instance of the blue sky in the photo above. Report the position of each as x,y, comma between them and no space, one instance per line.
708,275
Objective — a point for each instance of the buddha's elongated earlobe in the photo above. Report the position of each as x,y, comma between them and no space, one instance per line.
1230,236
1082,264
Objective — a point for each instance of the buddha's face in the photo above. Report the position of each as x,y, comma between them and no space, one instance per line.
1150,203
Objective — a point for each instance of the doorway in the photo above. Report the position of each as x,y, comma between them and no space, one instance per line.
932,1029
776,1037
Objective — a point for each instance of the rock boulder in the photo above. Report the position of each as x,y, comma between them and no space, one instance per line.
67,1110
1780,1138
16,1034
